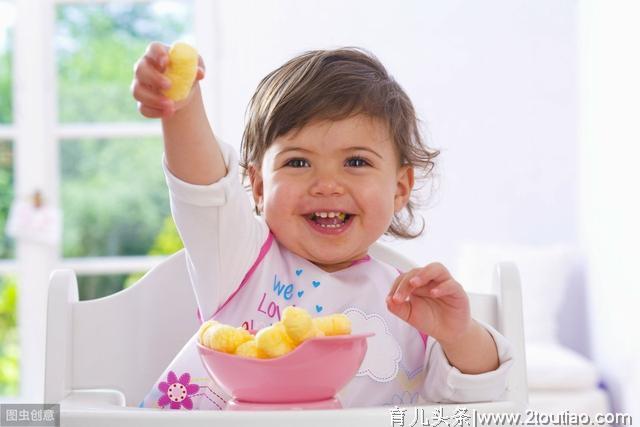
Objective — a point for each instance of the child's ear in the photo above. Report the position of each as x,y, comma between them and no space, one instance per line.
255,176
404,187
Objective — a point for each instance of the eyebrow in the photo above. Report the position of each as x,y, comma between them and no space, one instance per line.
344,149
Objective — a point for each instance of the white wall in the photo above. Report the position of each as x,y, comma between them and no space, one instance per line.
494,81
609,191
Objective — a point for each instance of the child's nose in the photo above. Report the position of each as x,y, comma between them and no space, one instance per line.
326,184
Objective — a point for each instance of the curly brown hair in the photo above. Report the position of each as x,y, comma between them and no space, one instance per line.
333,85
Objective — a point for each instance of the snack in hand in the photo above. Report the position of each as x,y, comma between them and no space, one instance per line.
181,70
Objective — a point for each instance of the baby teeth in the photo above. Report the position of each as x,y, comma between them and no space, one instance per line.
331,226
340,215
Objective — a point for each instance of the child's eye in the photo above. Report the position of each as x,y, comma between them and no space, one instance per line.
296,163
357,161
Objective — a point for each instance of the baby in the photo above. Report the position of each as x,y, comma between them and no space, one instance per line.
331,148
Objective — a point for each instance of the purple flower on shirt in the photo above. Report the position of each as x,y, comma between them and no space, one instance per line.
177,392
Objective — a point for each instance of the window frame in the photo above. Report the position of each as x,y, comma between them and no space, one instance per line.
35,134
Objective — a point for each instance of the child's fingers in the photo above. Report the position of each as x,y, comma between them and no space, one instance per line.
402,310
400,295
151,98
395,285
445,288
408,287
200,74
428,276
404,287
158,55
201,69
432,272
152,113
150,76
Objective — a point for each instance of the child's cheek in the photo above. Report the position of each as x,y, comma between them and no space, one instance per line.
378,199
281,195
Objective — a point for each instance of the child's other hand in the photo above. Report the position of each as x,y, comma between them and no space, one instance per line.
432,301
149,82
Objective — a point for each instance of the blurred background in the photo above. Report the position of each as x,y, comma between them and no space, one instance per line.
534,106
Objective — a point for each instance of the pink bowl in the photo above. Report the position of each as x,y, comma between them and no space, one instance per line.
316,370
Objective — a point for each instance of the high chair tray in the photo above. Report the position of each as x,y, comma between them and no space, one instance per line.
102,411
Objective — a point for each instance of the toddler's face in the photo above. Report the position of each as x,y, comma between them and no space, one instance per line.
347,167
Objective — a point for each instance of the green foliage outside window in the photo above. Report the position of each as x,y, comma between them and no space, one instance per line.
117,210
167,242
113,192
6,195
9,349
113,195
97,46
5,84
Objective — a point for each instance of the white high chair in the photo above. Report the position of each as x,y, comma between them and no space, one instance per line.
103,355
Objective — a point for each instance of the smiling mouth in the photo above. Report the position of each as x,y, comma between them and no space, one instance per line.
326,221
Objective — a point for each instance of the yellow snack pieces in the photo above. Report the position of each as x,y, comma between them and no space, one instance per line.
250,349
204,327
224,337
181,70
298,324
276,340
334,324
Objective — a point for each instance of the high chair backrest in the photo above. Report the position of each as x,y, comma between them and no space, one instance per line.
124,341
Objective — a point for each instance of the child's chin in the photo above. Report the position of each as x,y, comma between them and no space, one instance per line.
331,263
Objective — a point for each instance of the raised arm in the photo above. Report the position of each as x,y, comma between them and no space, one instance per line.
192,152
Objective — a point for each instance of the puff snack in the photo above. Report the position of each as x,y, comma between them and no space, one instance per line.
334,324
181,70
223,337
276,340
273,341
250,349
299,325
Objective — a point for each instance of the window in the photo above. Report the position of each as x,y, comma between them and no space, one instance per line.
9,348
96,47
7,18
70,128
111,186
6,195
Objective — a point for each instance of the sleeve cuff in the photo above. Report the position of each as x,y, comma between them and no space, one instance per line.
215,194
463,388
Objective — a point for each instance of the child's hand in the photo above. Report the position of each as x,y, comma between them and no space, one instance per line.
432,301
149,83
